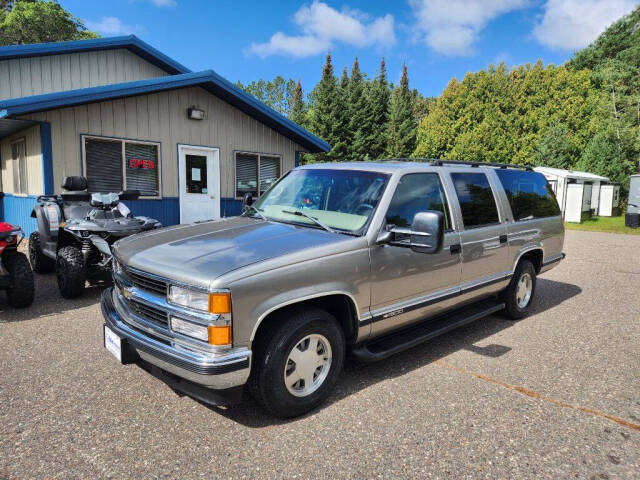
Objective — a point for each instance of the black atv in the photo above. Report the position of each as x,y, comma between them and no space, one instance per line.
76,230
16,276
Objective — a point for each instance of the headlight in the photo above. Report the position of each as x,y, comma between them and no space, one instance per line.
117,266
189,298
218,302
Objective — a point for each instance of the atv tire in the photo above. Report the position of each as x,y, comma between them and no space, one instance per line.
39,261
70,272
21,289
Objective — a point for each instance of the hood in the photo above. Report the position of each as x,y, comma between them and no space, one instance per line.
199,253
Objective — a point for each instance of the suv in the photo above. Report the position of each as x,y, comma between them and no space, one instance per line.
371,258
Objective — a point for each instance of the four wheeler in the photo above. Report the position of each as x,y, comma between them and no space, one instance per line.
76,230
16,276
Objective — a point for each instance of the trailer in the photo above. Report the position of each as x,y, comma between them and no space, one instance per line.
578,193
632,218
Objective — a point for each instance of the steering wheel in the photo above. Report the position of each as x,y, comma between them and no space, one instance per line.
363,206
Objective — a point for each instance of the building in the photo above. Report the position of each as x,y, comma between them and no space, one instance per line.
126,116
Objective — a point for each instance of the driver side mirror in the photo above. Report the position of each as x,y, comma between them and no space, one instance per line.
247,201
426,234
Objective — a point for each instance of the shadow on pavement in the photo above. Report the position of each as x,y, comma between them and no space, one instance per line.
357,376
48,300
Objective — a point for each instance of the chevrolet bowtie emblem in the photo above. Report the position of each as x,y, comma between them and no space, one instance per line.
126,293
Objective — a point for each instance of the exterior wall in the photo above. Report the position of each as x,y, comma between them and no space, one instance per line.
34,160
53,73
162,117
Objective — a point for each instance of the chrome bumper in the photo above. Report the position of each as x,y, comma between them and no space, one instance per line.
217,371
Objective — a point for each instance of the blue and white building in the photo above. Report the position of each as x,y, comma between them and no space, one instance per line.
126,116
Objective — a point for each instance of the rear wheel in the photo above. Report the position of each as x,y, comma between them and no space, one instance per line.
21,290
297,361
518,296
70,272
39,261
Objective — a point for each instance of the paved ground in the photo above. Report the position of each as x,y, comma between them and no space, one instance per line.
556,395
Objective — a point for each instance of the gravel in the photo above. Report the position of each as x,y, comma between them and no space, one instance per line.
494,399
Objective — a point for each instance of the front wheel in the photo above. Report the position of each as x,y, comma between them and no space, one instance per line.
39,261
518,296
297,361
70,272
21,290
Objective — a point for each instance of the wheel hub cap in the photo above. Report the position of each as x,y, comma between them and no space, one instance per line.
307,365
524,290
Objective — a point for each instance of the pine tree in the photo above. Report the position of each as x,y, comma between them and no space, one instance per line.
341,149
402,126
359,114
379,96
323,100
298,110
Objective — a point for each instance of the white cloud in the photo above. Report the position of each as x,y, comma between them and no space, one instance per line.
451,27
574,24
164,3
113,26
321,26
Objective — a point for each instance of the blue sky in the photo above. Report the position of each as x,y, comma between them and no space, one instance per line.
438,39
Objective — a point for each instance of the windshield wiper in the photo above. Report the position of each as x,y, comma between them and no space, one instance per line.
251,207
300,213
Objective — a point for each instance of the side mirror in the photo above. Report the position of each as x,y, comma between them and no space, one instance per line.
247,201
426,234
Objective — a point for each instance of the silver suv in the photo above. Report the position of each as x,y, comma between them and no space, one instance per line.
370,258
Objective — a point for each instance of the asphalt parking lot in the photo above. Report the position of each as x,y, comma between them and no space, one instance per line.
556,395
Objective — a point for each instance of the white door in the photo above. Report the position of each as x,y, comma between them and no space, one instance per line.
199,173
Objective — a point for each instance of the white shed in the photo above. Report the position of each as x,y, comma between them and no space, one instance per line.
578,193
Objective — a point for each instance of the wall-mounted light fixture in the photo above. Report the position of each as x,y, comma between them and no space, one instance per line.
195,113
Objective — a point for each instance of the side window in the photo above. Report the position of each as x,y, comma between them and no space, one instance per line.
476,199
529,194
417,192
19,159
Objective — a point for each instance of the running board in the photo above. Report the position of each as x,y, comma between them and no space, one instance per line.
385,346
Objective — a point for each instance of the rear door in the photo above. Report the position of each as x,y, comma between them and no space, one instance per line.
485,252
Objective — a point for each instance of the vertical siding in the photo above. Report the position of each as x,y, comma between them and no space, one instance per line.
36,75
17,211
162,117
34,160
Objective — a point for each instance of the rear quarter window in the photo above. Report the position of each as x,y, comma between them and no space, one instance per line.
529,194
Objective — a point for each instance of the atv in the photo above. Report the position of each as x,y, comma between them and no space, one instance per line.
16,276
76,230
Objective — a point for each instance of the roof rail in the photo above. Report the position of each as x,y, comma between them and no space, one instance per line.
442,163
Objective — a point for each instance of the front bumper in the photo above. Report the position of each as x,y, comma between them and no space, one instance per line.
218,371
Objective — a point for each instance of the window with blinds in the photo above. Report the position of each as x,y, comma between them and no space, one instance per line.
255,173
19,166
112,165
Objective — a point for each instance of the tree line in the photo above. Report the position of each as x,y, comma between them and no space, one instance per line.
362,118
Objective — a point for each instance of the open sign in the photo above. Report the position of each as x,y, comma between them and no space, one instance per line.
141,163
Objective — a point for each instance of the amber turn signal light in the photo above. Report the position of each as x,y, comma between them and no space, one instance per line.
219,335
220,303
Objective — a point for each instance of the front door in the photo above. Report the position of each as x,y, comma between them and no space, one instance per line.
199,183
407,286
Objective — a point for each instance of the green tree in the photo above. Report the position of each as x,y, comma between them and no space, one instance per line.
298,110
342,148
379,96
402,127
323,107
554,148
39,22
360,116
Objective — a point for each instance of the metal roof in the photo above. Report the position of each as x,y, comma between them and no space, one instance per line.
208,79
130,42
559,172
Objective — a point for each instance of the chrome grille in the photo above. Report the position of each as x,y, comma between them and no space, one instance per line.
147,312
144,282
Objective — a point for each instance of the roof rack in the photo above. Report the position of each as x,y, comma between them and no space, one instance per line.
442,163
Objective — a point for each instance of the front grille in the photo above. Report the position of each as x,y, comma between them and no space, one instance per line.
150,284
147,312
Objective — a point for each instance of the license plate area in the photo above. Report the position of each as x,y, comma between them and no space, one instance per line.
118,346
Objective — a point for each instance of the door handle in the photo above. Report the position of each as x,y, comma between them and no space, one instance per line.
503,239
455,248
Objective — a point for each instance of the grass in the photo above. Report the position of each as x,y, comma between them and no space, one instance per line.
604,224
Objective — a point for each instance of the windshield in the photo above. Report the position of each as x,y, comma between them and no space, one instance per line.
343,200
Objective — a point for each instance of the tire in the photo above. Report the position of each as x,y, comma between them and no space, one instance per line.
514,296
21,289
293,329
70,272
39,261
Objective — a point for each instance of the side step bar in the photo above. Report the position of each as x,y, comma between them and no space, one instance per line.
383,347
